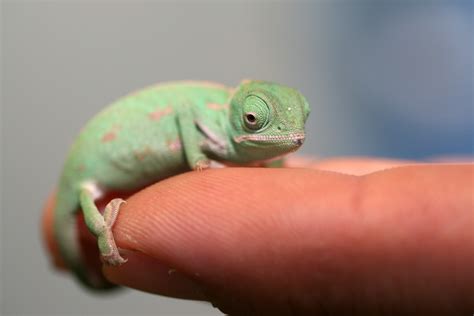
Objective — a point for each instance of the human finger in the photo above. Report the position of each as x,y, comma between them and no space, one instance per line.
300,240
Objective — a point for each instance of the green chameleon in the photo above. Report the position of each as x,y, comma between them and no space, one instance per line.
162,131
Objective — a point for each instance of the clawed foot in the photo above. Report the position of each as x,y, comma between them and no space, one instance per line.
108,249
113,258
201,165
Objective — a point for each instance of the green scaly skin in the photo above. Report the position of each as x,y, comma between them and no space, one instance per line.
162,131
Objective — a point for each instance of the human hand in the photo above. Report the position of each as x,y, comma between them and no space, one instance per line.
302,240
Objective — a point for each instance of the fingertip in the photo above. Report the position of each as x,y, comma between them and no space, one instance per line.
232,229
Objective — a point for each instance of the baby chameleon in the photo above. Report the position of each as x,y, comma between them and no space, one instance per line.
162,131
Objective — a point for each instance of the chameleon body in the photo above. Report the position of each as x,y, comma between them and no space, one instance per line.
162,131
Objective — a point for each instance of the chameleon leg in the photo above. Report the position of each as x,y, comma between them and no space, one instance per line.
101,226
189,133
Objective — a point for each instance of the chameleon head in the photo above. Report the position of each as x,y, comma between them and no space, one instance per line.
267,120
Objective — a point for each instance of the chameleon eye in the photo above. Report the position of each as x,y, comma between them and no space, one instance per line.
256,113
250,118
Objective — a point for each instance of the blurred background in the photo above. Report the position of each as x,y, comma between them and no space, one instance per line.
383,78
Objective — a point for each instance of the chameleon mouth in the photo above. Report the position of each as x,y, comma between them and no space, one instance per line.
296,138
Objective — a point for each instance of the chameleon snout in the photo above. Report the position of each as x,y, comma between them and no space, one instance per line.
299,141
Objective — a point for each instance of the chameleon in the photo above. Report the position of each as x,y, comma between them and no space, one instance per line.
161,131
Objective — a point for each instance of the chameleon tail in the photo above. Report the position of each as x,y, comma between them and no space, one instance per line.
67,237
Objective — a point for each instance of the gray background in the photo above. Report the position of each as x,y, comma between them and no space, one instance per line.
383,78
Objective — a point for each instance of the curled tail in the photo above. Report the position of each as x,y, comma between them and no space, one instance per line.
67,237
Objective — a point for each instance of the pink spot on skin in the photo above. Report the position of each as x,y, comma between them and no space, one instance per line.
160,112
111,134
174,145
217,107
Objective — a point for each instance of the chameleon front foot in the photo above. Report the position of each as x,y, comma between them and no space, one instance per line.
108,249
201,165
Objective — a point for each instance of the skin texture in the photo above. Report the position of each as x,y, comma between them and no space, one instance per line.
394,240
159,132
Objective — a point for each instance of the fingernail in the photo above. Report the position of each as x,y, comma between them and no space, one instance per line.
147,274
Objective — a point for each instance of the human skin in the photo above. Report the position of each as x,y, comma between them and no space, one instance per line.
341,236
